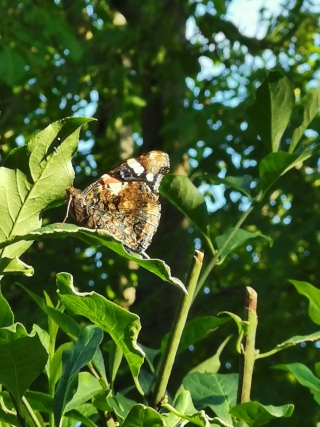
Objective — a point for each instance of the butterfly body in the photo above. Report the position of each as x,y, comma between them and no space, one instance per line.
125,201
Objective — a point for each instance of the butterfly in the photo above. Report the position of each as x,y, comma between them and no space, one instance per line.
124,201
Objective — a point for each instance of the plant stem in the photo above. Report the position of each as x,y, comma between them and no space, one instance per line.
247,358
167,360
216,257
31,412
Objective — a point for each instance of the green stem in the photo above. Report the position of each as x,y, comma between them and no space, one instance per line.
31,413
167,360
216,257
248,356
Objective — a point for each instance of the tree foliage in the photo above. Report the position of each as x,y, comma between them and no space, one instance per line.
183,78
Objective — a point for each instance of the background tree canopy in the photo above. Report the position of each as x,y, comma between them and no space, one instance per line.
174,76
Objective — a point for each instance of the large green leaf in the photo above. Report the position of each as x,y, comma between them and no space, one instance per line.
275,165
143,416
217,391
272,109
122,325
23,359
88,387
313,295
310,107
34,178
304,376
73,359
254,414
95,238
180,191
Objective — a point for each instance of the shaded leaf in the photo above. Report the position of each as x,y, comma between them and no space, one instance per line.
216,391
180,192
271,111
213,363
12,66
183,409
88,387
275,165
239,238
122,325
143,416
313,295
310,107
255,414
25,359
304,376
241,184
73,359
120,405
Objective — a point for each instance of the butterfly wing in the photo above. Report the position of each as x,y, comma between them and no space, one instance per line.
149,168
124,202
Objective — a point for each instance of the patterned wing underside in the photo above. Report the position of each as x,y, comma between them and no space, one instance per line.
131,216
125,201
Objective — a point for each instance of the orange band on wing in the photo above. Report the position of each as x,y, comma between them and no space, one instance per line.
107,179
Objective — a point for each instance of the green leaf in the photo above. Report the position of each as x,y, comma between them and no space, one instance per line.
115,359
73,359
15,266
275,165
313,295
26,192
182,194
255,414
240,184
41,402
143,416
23,359
82,414
120,405
304,376
88,387
66,323
272,109
196,330
12,66
213,363
55,370
238,239
122,325
100,237
6,314
291,342
310,107
183,409
217,391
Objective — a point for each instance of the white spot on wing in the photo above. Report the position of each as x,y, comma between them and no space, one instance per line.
150,177
136,166
115,187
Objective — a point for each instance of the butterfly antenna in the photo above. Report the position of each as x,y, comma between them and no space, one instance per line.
68,209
